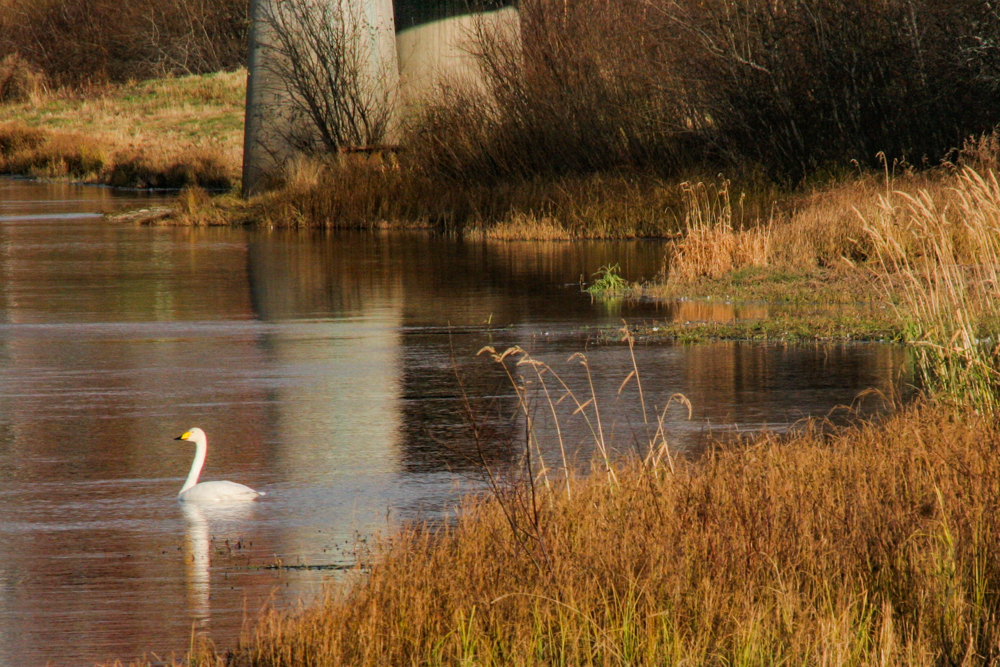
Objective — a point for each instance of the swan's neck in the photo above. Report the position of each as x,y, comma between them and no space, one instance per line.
201,448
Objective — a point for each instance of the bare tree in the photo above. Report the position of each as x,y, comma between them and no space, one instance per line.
336,74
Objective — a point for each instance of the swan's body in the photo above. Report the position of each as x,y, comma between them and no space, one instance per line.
209,492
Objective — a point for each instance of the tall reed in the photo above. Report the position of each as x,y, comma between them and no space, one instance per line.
712,247
939,257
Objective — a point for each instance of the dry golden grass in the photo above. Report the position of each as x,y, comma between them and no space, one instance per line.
711,247
823,229
522,227
871,545
939,253
162,133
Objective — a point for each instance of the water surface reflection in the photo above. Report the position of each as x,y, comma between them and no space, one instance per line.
323,368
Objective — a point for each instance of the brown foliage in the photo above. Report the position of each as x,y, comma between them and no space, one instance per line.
361,192
37,152
79,41
792,87
19,80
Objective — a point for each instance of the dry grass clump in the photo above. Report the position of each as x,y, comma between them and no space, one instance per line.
47,154
27,150
149,169
19,80
356,191
870,545
711,247
819,230
521,227
939,254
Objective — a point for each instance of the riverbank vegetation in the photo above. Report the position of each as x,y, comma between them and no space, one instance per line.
865,546
596,113
162,133
83,43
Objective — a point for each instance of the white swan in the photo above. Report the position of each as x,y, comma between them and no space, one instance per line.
209,492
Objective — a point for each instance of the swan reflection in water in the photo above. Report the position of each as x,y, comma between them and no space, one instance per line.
203,521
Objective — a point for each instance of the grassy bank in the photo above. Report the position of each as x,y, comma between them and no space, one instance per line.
169,132
766,324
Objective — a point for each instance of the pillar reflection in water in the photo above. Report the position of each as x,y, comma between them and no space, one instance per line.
337,315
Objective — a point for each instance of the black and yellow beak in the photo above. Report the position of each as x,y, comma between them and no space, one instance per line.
184,436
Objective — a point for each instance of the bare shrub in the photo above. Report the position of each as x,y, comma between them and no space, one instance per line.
577,89
19,80
798,84
793,86
338,88
79,41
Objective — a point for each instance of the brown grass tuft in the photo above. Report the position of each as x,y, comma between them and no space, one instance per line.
26,150
819,230
523,227
158,169
711,247
20,81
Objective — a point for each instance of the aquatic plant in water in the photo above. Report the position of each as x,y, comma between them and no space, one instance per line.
609,282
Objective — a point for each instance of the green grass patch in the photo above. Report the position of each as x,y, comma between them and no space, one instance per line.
859,325
775,285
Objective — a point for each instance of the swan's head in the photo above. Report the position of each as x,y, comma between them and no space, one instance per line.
194,435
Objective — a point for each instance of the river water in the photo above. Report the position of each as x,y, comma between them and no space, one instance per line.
324,367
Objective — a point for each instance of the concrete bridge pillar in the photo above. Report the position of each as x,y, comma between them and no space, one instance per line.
409,47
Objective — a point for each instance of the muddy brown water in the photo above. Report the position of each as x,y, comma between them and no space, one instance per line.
323,368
